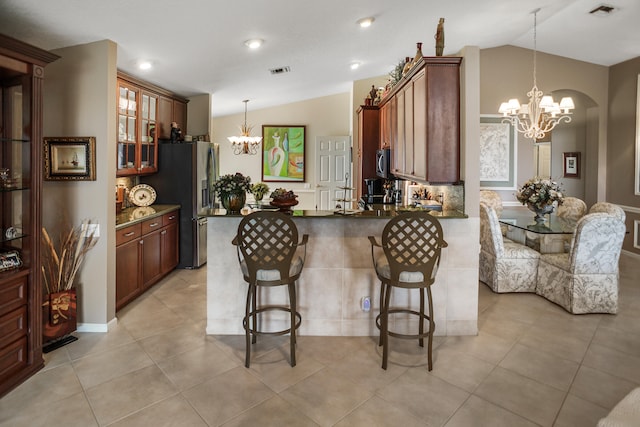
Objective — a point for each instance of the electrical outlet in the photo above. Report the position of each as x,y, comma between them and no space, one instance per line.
365,303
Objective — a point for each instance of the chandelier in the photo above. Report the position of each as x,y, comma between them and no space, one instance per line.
245,143
542,113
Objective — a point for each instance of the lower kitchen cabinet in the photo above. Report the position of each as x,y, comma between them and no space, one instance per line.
145,253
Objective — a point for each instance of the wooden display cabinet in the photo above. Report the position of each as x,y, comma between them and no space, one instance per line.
145,113
21,84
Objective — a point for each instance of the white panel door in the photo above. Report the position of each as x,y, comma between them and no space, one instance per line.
333,154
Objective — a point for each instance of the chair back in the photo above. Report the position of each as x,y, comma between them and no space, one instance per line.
267,241
492,199
596,245
609,208
490,234
572,208
413,242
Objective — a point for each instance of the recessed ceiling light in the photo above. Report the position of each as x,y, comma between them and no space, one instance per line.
254,43
355,65
366,22
145,65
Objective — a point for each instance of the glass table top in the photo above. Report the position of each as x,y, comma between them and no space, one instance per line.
522,218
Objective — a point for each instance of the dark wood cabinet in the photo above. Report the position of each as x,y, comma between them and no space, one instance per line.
145,113
21,91
368,143
171,110
145,253
422,122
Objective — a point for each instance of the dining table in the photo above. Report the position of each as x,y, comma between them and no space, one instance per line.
550,236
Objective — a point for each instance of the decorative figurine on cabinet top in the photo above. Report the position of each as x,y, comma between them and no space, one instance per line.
440,38
176,133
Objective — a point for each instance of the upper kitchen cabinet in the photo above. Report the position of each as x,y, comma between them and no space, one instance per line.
425,141
368,144
142,113
171,110
21,91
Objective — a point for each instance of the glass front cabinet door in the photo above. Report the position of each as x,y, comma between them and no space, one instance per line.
137,140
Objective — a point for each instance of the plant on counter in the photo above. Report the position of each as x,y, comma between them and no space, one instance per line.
259,189
537,193
232,184
282,194
60,266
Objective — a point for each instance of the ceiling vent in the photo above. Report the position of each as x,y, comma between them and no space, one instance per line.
280,70
602,10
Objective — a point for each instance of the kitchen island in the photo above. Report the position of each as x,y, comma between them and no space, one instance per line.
338,274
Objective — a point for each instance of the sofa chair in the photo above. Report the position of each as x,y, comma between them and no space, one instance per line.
505,266
572,208
609,208
585,280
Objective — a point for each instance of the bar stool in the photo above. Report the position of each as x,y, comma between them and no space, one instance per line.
412,243
267,244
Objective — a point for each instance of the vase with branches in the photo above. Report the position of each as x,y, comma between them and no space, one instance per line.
60,265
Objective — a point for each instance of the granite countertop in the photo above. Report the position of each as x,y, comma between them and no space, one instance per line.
378,211
130,216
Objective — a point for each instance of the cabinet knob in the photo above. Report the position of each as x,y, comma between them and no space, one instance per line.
172,217
141,242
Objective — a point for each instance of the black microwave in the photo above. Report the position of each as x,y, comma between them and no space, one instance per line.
383,163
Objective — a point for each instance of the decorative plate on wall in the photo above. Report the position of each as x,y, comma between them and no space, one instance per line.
142,195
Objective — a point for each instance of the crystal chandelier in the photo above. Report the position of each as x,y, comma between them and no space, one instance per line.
542,113
245,143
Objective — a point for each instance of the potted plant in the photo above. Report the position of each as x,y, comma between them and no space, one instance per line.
259,189
60,265
539,195
232,189
283,199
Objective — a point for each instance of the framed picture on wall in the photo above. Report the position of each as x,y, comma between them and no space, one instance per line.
70,159
498,153
571,165
283,153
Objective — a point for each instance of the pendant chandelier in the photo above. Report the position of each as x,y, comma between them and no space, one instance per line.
245,143
542,113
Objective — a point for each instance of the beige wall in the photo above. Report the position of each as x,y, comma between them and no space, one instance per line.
79,100
325,116
507,72
623,80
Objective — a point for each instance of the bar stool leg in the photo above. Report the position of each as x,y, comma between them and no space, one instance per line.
432,327
384,327
382,289
292,319
247,326
254,308
421,320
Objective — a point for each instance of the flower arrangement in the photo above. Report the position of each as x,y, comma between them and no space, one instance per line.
60,266
282,194
232,183
259,189
538,193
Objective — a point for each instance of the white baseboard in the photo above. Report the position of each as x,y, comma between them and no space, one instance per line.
97,327
631,254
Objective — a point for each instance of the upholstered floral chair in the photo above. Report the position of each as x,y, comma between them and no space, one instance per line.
494,200
610,209
572,208
585,280
505,266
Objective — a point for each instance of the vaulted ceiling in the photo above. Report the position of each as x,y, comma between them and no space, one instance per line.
197,46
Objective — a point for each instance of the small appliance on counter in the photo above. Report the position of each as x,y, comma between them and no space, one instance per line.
375,192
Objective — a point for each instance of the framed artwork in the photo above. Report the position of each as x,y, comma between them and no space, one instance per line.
283,153
571,165
498,149
70,159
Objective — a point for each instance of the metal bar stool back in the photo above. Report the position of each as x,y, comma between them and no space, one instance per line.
411,244
267,246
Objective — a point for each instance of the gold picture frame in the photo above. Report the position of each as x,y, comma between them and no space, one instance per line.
69,158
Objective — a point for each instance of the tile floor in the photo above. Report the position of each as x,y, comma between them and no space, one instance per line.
532,364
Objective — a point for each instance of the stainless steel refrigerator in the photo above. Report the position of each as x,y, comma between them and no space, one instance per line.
184,177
